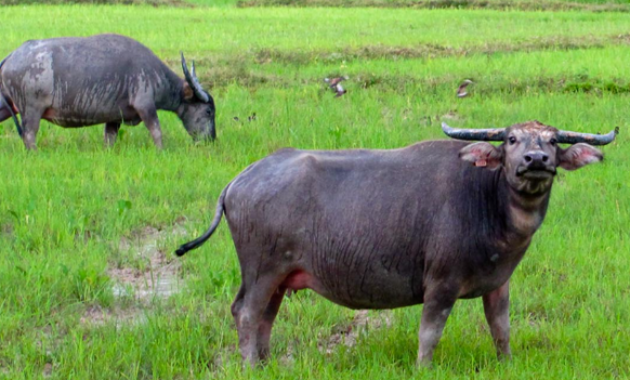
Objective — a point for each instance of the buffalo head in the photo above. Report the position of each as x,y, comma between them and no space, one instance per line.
530,152
197,109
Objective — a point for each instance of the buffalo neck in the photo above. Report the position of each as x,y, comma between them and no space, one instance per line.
525,212
173,98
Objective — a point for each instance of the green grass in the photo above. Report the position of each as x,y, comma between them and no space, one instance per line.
65,208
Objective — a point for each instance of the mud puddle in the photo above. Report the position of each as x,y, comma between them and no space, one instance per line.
155,275
160,276
349,334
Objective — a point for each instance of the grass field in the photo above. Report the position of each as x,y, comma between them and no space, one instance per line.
86,233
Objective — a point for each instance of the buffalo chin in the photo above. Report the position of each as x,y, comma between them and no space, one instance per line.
535,183
537,175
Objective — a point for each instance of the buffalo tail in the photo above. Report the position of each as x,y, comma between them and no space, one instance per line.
213,226
4,100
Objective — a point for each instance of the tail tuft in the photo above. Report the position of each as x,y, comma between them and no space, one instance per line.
181,250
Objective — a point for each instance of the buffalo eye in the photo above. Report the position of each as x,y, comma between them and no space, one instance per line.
553,142
209,111
512,140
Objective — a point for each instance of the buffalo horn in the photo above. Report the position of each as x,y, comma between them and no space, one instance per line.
494,134
194,82
567,137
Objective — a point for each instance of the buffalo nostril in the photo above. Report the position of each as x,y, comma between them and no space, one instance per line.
528,158
545,158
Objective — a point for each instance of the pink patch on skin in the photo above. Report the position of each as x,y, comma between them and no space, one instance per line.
481,163
48,114
588,157
579,155
298,280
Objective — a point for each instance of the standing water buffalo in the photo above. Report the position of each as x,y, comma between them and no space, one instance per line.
377,229
111,79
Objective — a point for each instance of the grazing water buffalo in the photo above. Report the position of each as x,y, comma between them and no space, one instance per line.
377,229
111,79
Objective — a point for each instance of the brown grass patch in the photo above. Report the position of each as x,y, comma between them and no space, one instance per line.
219,71
222,69
552,6
95,315
265,56
348,334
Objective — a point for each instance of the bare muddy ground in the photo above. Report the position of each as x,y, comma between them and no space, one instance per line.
160,276
363,321
156,278
97,315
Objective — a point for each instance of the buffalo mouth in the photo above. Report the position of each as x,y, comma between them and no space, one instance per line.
536,174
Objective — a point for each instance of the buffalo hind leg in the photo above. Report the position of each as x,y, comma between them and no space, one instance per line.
266,324
249,309
496,306
437,307
149,116
7,110
111,133
4,112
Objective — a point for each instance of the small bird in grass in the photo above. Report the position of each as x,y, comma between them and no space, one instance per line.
461,90
334,81
339,90
250,118
335,85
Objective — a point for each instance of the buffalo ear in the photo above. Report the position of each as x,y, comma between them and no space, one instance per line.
482,154
187,92
578,155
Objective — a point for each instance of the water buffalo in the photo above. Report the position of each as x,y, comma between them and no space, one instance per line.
378,229
111,79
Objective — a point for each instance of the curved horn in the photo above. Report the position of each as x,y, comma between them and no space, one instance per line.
567,137
193,72
194,82
493,134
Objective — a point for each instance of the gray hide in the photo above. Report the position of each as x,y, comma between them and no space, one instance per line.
380,229
111,79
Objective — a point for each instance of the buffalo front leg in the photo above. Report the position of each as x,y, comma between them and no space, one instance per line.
111,133
30,125
149,116
496,306
437,307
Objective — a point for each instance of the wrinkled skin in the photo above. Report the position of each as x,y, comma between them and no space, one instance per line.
376,229
110,79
